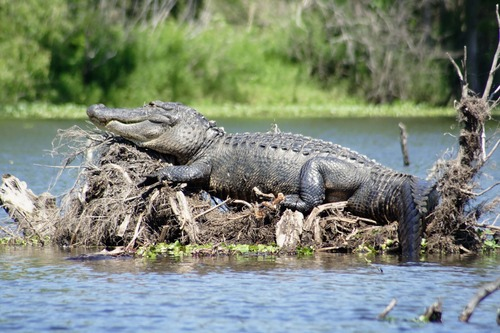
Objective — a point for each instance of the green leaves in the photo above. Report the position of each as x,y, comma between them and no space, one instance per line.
178,250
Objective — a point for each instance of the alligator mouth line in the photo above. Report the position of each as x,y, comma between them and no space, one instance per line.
101,115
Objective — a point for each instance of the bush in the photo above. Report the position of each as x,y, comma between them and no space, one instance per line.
377,48
24,61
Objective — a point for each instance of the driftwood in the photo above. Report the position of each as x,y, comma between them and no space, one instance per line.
33,214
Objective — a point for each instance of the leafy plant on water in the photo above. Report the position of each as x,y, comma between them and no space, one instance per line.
303,251
178,250
366,248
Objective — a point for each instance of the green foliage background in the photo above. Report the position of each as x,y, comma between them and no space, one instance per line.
233,52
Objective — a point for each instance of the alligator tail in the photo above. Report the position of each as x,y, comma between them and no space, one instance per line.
418,199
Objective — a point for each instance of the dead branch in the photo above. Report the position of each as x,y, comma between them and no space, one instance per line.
211,209
404,143
494,67
489,188
492,149
243,202
481,294
137,232
433,313
463,81
387,309
8,232
181,209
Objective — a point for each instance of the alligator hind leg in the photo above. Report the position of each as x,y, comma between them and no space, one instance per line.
322,179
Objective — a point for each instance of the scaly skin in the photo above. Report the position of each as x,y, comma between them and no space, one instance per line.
307,171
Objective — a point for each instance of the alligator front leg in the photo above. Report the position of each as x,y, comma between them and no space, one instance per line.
194,173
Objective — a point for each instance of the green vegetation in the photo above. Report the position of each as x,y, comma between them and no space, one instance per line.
178,250
238,58
14,240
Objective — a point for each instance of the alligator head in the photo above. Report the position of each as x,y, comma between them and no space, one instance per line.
169,128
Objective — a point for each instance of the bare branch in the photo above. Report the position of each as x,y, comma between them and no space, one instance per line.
481,294
482,192
463,83
489,83
211,209
387,309
492,150
459,72
464,62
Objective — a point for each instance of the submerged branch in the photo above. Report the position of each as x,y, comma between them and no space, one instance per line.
387,309
481,294
433,313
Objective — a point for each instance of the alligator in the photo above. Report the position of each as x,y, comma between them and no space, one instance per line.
306,171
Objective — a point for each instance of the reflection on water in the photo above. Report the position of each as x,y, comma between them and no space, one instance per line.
41,290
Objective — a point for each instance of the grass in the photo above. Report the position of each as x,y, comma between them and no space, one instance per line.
41,110
324,111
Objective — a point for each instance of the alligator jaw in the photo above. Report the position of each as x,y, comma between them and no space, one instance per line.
101,115
132,124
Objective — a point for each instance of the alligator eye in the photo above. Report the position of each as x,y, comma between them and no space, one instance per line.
162,119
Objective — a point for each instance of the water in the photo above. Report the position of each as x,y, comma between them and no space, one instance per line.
41,290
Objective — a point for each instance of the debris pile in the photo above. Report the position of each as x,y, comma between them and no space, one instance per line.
109,207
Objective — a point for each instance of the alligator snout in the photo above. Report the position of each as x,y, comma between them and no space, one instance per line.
96,114
93,109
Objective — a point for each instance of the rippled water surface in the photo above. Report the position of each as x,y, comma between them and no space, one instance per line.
41,290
